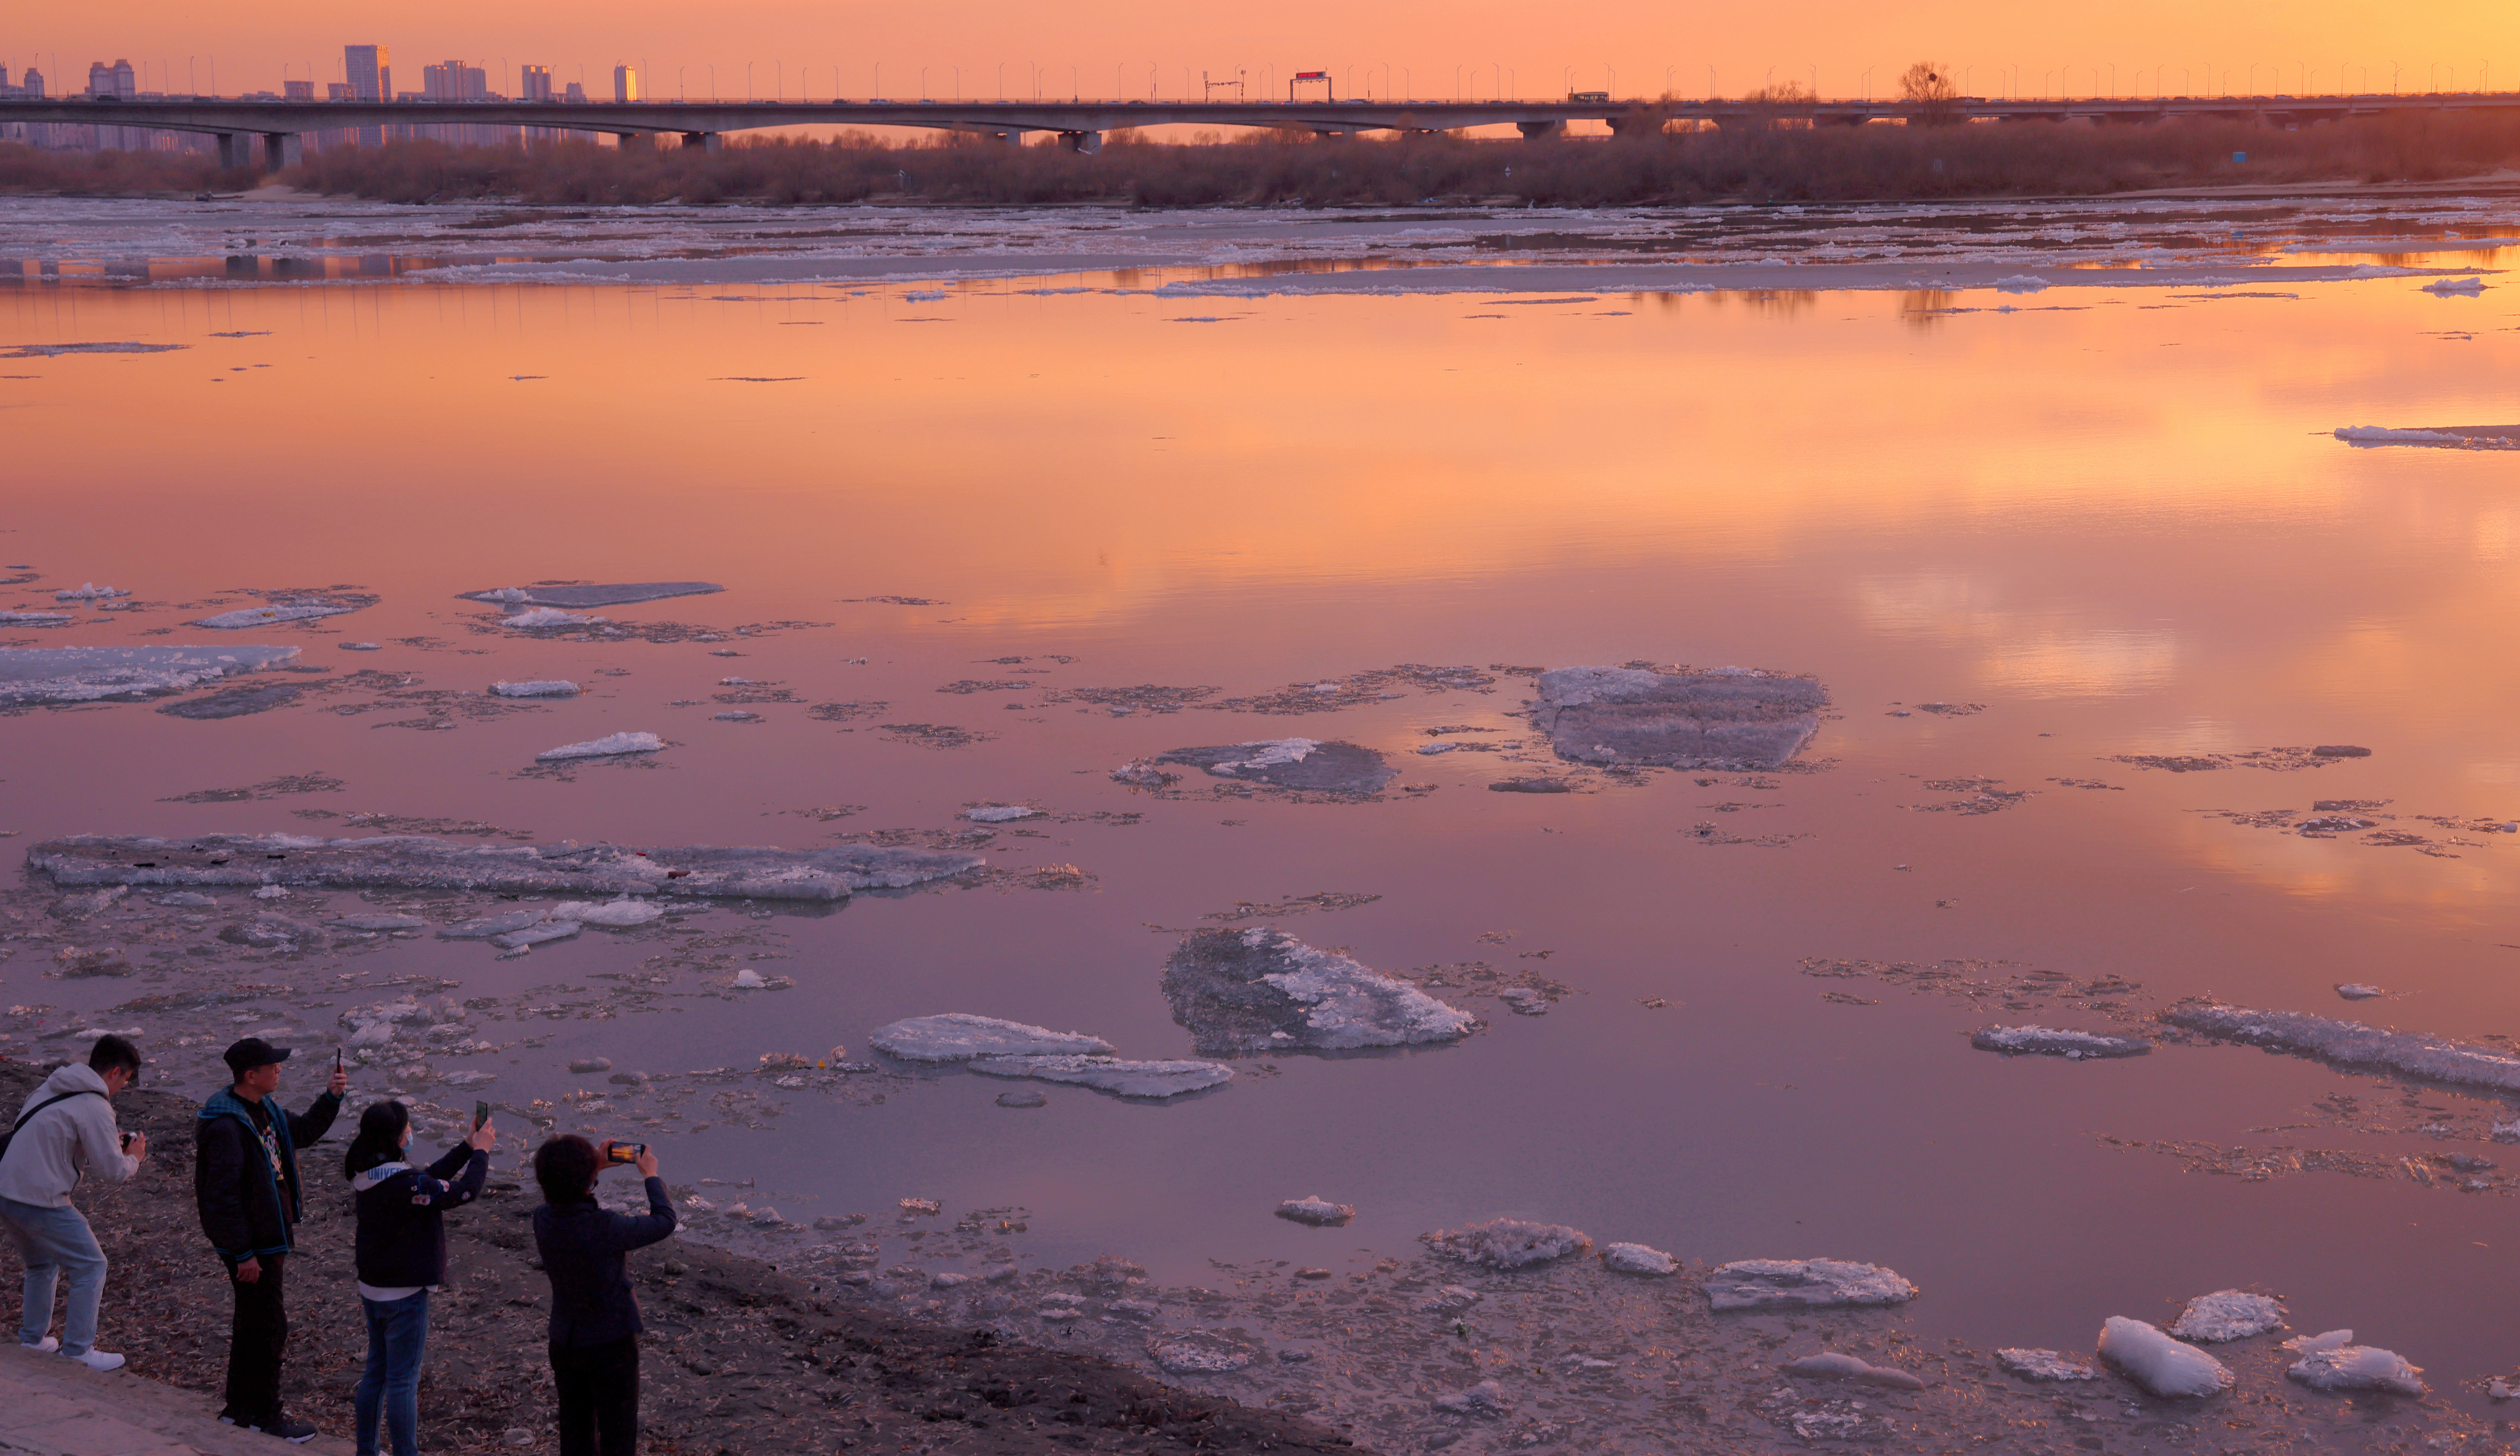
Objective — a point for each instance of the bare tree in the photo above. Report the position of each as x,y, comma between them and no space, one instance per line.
1927,87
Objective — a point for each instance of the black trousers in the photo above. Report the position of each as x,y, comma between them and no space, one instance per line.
257,1334
599,1397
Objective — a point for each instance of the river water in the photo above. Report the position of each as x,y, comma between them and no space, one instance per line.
2084,522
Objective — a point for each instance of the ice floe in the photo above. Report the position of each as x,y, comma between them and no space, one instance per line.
37,619
1832,1365
1001,814
1115,1075
2163,1366
1638,1258
612,914
608,746
371,924
536,687
90,592
266,616
2043,1364
2051,1042
959,1036
1723,718
1804,1283
2351,1043
618,594
2227,1314
416,861
2447,287
548,616
1241,991
2355,1367
1324,766
2441,437
2355,991
87,674
1316,1210
1508,1243
536,934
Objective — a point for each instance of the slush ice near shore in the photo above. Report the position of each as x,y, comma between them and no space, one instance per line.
2351,1043
1331,767
419,862
959,1036
2333,1362
1508,1243
1804,1283
1722,718
2227,1314
88,675
1244,991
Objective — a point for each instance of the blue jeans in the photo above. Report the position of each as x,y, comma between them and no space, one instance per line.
55,1242
397,1336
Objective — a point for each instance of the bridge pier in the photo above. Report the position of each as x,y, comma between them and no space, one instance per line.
282,150
1542,131
1084,143
1635,126
703,141
635,141
235,148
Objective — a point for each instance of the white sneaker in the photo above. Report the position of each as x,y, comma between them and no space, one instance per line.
45,1346
99,1362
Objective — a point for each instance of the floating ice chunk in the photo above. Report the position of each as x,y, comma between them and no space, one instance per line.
357,646
1263,991
547,616
2158,1364
467,1079
1726,718
959,1036
604,748
2305,1345
2358,1367
2043,1364
1140,774
418,862
1805,1283
2021,282
749,978
2227,1314
1113,1074
119,346
618,595
537,687
489,927
2444,287
2351,1043
2053,1042
1637,1258
1291,763
90,592
1486,1399
2374,434
1001,814
536,934
613,914
1431,749
1508,1243
1831,1365
266,616
1316,1210
2354,990
735,714
37,619
1202,1352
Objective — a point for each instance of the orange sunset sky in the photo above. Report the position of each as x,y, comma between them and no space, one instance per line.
2195,46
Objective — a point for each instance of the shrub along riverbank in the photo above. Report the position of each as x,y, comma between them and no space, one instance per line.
1786,164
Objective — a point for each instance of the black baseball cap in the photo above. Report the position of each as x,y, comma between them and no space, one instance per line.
252,1053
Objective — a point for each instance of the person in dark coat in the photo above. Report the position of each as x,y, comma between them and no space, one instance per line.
245,1179
402,1257
594,1318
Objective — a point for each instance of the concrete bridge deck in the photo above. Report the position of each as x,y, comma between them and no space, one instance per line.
278,124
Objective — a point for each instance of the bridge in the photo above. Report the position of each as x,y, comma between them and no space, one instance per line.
279,127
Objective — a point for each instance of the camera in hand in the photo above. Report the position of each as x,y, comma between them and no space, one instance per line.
126,1142
624,1152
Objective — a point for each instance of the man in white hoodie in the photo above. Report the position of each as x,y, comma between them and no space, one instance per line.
65,1128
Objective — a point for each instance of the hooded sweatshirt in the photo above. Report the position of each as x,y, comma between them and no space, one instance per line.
247,1185
66,1139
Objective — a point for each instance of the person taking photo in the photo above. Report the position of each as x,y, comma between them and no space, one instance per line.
245,1179
595,1318
64,1129
401,1257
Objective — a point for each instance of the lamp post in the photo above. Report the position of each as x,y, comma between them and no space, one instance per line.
922,83
747,80
680,92
1002,80
712,67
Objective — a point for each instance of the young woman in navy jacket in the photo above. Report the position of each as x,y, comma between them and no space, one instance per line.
401,1256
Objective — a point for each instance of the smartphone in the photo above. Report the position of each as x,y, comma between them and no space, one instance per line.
336,1060
624,1152
126,1142
480,1115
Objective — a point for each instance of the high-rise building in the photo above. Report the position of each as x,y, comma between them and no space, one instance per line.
535,84
299,90
31,83
114,80
453,80
575,93
625,83
339,91
369,71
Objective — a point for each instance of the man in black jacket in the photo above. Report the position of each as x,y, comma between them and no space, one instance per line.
594,1318
244,1179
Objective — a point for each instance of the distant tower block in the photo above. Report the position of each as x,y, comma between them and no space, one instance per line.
625,83
535,83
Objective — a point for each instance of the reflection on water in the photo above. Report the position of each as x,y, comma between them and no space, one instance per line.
2019,548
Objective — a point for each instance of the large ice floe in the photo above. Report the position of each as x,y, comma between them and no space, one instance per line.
274,615
2051,1042
537,687
1243,992
959,1036
2437,437
611,745
1833,1365
1722,718
1508,1243
2351,1043
1329,768
550,616
582,595
87,674
419,862
1316,1211
2332,1361
1804,1284
2226,1315
2158,1364
1115,1075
